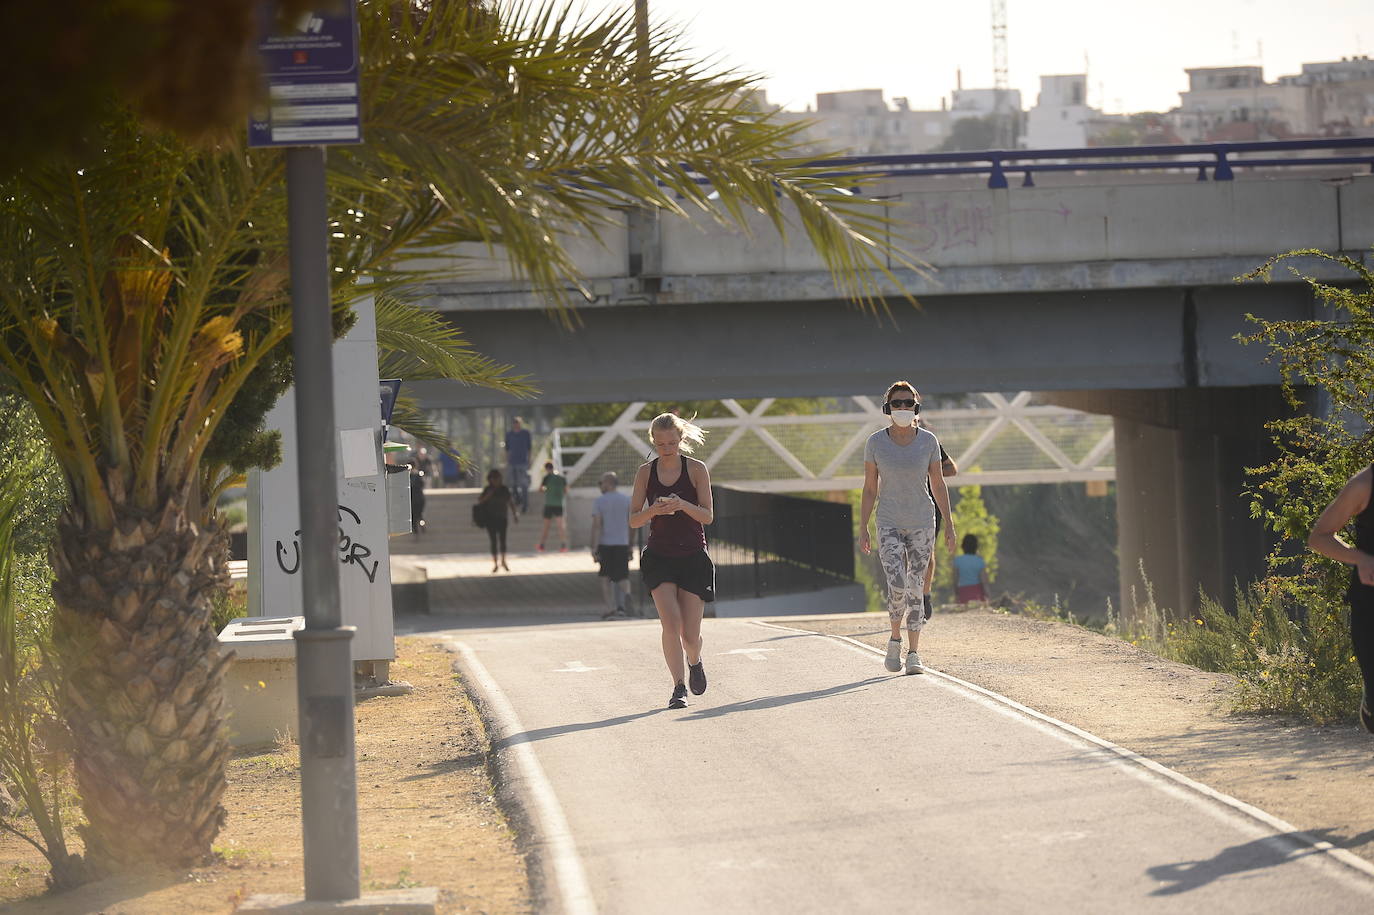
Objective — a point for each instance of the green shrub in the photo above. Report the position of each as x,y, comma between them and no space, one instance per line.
1287,644
34,765
228,605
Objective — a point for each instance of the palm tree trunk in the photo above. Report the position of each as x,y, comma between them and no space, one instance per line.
143,683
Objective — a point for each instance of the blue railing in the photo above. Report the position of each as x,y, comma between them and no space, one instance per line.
1220,158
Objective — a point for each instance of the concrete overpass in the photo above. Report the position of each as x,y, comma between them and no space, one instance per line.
1116,294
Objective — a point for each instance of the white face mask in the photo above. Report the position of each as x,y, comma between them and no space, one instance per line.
904,418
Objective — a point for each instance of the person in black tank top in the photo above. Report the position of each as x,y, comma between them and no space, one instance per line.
672,494
1354,503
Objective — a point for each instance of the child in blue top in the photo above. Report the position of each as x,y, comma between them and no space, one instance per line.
970,573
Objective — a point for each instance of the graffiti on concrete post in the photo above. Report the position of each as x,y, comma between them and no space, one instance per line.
352,552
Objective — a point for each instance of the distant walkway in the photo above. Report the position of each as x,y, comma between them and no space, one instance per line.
453,556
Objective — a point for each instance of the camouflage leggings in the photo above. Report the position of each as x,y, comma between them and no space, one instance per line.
905,554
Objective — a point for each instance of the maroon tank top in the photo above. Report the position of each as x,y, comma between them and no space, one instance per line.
677,534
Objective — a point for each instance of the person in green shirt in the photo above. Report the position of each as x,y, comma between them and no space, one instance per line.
554,487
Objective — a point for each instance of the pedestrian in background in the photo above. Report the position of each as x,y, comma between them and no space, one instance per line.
948,469
518,446
970,573
417,500
898,461
672,494
1354,502
496,500
610,542
554,486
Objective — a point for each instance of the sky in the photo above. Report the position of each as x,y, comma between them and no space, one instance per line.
1135,52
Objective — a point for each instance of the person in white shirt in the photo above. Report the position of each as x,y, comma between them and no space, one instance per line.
610,542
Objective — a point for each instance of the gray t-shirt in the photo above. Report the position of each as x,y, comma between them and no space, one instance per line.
903,501
613,508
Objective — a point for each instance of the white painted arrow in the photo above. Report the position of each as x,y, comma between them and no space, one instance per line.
576,667
753,654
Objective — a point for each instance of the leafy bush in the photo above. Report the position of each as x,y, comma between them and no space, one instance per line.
1287,644
34,769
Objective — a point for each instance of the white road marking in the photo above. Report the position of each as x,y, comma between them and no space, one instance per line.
567,865
1177,784
753,654
575,667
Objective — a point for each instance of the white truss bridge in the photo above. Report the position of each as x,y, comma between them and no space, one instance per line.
996,439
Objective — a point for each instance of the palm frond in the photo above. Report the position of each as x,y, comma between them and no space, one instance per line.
419,345
415,422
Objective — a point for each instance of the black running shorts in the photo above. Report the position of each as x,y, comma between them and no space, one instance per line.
553,511
615,561
695,573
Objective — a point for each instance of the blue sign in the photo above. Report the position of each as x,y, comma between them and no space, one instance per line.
311,73
390,389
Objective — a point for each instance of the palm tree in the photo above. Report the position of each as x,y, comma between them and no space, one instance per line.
143,307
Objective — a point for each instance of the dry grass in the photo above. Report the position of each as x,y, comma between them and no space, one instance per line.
427,817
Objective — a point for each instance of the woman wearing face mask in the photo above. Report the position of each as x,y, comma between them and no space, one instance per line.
898,463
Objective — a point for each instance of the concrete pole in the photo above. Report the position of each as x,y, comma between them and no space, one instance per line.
324,667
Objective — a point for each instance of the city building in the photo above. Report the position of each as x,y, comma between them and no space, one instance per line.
862,123
1061,118
1342,95
1236,104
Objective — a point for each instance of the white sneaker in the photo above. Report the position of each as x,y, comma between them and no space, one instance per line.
893,661
913,663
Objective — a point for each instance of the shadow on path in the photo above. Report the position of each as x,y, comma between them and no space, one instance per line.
1269,851
445,766
556,730
763,702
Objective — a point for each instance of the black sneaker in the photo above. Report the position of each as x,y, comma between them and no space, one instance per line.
679,697
696,676
1366,714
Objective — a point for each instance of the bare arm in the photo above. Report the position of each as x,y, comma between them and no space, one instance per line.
948,468
595,538
1325,537
941,493
870,495
641,514
704,511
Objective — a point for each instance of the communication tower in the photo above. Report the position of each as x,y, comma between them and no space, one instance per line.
1001,108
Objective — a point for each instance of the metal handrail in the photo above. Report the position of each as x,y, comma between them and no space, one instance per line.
997,162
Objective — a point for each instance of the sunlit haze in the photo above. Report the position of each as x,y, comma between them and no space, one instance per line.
1134,53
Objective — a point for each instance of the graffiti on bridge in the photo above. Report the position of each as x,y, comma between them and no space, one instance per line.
942,226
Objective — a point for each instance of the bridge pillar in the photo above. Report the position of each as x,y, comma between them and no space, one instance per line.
1182,514
1147,541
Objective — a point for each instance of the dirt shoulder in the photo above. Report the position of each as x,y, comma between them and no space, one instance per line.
427,816
1317,778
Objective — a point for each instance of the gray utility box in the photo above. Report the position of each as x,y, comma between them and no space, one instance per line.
398,520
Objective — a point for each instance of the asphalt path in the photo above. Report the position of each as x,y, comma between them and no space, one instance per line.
809,779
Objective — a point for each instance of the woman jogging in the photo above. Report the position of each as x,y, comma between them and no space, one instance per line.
898,462
1354,502
496,501
672,494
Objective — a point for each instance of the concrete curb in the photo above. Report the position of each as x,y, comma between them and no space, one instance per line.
558,879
